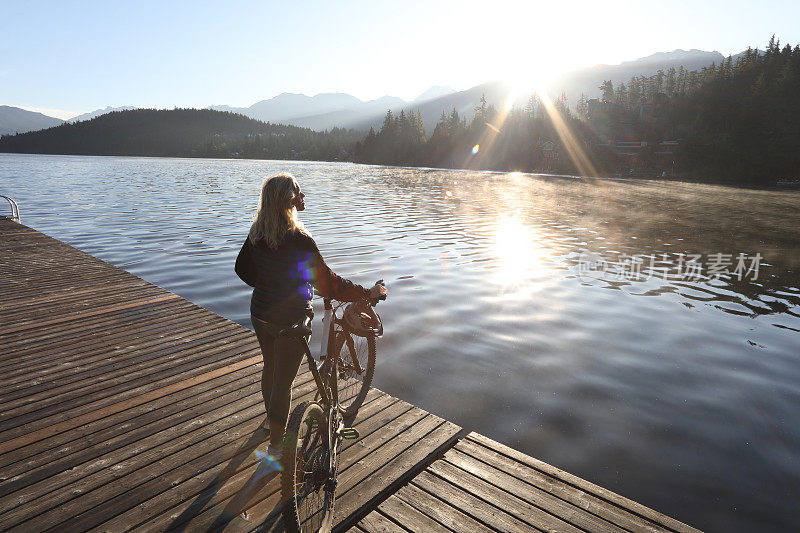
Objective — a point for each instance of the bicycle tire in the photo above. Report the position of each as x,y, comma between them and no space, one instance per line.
353,386
309,507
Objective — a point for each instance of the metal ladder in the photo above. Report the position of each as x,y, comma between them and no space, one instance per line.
15,216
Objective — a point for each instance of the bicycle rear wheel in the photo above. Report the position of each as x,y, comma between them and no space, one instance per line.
356,370
309,506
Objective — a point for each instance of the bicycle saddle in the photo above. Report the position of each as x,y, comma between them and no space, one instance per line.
301,328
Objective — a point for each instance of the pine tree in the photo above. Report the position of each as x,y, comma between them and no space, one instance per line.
481,115
621,96
671,82
607,89
582,107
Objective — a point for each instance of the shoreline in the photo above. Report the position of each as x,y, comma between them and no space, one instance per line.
674,179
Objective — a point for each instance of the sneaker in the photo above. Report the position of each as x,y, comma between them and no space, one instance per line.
274,453
269,460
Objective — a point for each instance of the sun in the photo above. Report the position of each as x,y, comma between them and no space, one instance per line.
524,83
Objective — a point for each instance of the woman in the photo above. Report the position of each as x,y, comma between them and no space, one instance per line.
281,261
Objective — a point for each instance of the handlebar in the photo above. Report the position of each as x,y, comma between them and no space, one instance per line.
302,328
374,301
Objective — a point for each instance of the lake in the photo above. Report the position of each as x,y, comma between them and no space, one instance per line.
644,335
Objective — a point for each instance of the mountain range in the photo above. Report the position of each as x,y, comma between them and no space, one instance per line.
16,120
328,110
97,112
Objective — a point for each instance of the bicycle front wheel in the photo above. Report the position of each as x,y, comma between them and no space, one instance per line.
309,503
356,369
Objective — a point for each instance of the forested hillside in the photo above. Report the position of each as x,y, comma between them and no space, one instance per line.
184,133
736,122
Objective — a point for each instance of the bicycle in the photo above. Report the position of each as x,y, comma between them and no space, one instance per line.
316,428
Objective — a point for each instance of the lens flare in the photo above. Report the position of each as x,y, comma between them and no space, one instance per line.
268,463
475,149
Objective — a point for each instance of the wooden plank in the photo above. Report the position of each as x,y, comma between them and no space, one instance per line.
234,431
513,495
372,480
375,522
31,255
45,336
56,293
23,286
138,354
64,358
85,314
536,511
89,449
94,483
62,444
63,336
78,305
71,423
54,332
40,386
160,410
559,489
403,513
45,262
217,494
174,366
591,488
439,510
70,303
205,496
74,403
105,429
267,503
488,515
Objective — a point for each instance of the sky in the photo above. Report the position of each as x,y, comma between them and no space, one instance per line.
66,58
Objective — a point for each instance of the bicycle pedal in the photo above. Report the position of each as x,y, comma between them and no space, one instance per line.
350,433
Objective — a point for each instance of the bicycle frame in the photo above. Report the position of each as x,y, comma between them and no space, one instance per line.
328,393
328,387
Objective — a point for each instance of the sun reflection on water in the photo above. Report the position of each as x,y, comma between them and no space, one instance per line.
521,254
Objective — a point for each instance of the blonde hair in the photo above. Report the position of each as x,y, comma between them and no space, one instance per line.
276,213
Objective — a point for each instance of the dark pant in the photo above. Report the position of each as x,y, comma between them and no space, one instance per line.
282,358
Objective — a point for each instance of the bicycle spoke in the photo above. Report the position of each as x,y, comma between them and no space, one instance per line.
306,470
356,362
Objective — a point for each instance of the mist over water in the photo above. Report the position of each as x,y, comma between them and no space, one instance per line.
679,393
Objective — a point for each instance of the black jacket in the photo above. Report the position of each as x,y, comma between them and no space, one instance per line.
282,278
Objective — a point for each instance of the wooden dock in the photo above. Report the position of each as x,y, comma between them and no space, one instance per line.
126,407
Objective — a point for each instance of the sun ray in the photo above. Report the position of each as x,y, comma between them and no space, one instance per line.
570,142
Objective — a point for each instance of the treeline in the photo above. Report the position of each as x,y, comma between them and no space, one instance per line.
518,140
736,122
185,133
744,121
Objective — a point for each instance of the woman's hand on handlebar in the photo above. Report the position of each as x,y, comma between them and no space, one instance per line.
378,291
